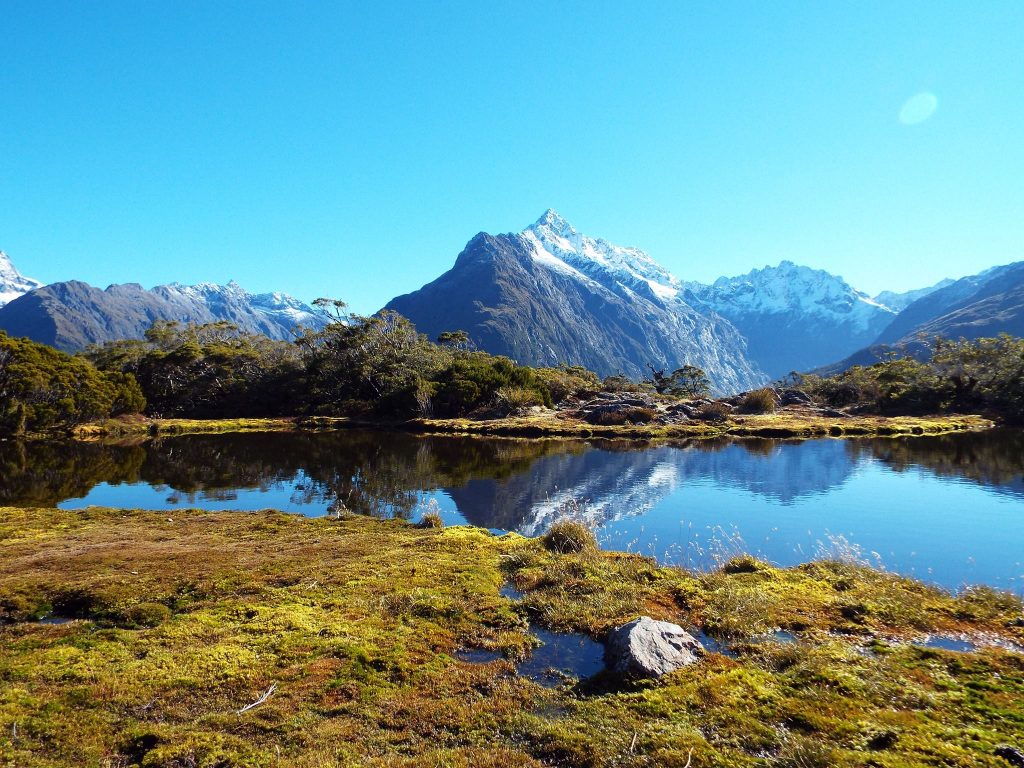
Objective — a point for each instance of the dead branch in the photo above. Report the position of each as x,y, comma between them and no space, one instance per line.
262,699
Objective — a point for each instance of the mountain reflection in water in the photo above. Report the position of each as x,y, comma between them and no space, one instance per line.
948,509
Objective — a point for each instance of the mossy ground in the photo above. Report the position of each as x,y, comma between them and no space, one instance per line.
129,426
781,424
187,619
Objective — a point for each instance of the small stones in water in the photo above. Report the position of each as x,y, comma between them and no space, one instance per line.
649,648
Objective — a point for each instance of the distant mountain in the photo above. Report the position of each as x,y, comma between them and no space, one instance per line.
982,305
900,301
795,318
985,304
12,283
550,295
71,315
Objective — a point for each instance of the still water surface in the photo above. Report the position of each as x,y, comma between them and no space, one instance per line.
949,509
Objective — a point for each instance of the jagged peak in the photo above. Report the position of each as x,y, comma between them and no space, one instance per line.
556,242
553,219
12,283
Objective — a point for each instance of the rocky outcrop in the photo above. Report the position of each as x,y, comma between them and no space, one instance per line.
1012,755
647,648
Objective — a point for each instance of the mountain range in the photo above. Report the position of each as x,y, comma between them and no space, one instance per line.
551,294
794,317
72,315
978,306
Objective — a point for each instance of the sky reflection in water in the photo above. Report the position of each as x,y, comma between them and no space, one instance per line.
948,510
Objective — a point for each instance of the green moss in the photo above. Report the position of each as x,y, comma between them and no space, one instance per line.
780,425
357,621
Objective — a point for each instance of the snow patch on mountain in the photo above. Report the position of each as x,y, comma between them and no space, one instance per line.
280,310
556,242
793,289
12,283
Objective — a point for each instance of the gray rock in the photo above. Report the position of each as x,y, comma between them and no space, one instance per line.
1012,755
649,648
795,397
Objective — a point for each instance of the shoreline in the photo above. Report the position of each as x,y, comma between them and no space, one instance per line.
777,425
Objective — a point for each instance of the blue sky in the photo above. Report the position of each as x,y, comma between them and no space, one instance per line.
351,150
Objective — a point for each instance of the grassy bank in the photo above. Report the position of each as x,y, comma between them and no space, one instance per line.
783,425
137,425
184,621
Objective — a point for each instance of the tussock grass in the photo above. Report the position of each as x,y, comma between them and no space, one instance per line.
569,536
763,400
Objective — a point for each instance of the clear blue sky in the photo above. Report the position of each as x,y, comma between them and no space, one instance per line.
352,150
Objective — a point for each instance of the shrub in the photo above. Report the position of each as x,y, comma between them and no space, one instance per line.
606,418
475,378
514,399
640,415
566,381
44,389
620,383
763,400
569,536
743,564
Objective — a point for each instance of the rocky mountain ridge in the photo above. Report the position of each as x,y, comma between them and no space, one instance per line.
551,295
12,283
795,318
71,315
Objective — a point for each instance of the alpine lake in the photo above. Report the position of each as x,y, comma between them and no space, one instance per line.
947,510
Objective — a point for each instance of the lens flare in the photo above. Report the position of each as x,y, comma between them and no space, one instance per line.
918,108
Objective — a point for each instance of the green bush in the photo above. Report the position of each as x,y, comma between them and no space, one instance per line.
45,389
985,375
567,381
514,399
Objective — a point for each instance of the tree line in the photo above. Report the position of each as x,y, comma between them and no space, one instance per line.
379,366
979,376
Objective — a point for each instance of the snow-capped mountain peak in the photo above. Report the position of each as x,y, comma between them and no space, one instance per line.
792,288
12,283
231,299
555,241
794,317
